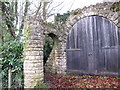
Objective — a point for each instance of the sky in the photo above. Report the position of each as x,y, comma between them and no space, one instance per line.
69,5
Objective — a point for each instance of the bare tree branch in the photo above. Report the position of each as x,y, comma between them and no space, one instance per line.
44,10
50,3
54,8
25,13
6,17
16,13
38,8
49,15
71,5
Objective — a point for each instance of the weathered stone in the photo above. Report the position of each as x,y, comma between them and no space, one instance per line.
119,24
56,62
110,15
116,22
33,64
114,17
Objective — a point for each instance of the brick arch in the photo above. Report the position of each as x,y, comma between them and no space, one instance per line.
102,10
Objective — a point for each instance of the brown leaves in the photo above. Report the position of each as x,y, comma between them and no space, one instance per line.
62,81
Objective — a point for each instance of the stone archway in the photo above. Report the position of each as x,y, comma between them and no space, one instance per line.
92,47
102,9
33,64
52,63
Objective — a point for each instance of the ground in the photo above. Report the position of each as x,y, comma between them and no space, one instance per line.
84,81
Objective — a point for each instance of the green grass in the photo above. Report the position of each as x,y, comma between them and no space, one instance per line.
43,85
73,75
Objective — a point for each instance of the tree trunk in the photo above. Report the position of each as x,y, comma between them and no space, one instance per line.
23,18
6,17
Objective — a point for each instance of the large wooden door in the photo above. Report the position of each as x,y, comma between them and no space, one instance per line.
92,46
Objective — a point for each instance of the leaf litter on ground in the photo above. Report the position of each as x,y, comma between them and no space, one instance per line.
77,81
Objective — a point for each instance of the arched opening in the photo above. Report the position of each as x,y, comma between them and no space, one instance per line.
48,46
92,46
50,53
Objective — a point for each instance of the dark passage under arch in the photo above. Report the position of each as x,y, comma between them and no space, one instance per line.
92,46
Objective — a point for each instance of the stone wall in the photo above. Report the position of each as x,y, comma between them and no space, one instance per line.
51,64
33,64
101,9
56,62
